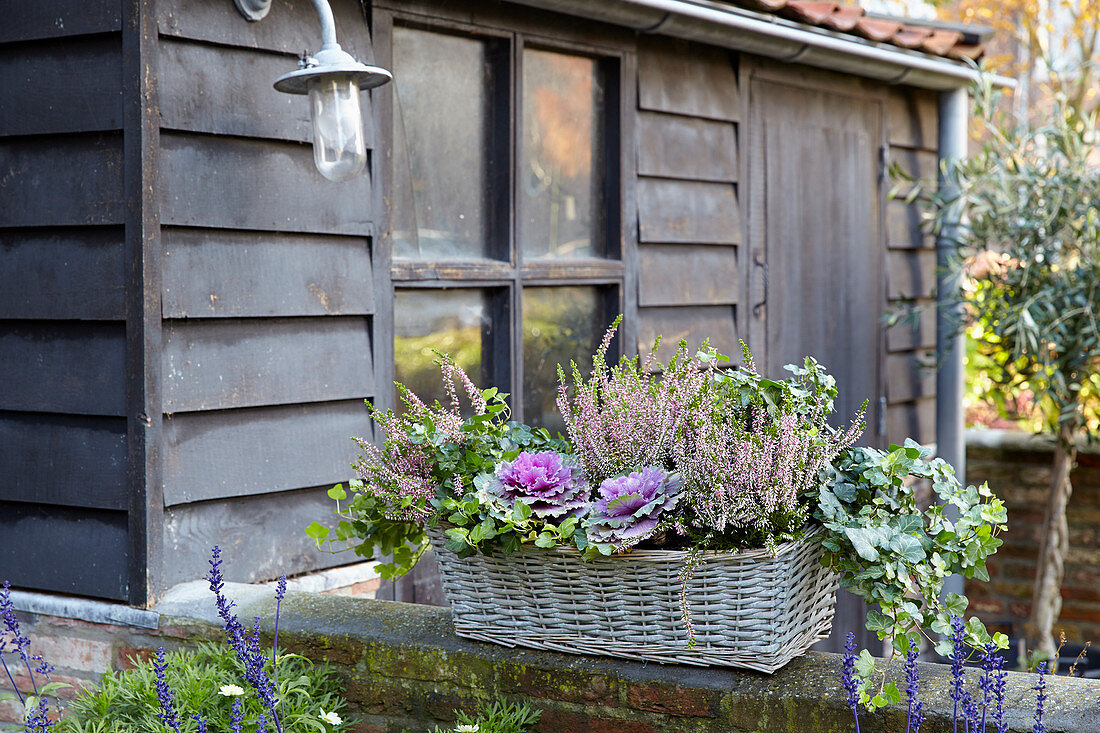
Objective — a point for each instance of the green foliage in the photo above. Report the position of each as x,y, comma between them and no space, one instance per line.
499,716
126,702
895,554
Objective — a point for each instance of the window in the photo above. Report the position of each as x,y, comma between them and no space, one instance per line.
504,195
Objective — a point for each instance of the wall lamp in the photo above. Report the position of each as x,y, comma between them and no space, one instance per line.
333,80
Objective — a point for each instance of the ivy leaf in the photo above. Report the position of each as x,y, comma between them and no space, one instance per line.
908,547
337,493
955,603
878,621
861,540
317,531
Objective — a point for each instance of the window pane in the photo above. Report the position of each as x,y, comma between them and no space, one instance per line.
455,322
559,324
443,88
561,180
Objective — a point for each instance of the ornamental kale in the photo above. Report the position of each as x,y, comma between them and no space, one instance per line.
553,488
630,509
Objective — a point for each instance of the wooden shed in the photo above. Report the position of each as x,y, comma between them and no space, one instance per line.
191,316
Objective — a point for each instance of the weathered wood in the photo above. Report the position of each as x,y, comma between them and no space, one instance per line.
290,27
228,91
921,165
718,323
62,86
23,21
671,146
63,367
904,227
250,184
906,335
81,552
912,118
60,181
687,79
687,211
916,420
906,379
64,274
210,273
64,460
911,273
684,274
191,530
218,364
214,455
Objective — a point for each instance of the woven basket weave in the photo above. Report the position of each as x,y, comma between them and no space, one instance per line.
749,609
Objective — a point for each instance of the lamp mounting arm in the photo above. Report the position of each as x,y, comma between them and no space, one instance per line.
258,10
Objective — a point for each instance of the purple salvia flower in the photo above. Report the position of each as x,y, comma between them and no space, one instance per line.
236,717
552,487
630,507
1000,677
1040,698
261,723
958,657
39,720
167,712
915,715
848,678
986,681
280,593
19,643
201,723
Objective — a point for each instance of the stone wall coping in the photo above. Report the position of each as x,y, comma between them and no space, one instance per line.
1020,440
83,609
359,632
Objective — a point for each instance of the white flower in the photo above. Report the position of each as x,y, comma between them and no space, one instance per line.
331,718
231,690
467,728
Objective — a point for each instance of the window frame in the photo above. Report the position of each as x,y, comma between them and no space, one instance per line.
615,274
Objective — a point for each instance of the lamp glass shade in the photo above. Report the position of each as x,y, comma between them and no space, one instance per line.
339,149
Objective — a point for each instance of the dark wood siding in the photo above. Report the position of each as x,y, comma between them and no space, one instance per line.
911,273
64,490
266,292
689,221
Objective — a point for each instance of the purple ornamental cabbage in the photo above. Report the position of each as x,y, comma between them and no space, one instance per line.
543,481
630,506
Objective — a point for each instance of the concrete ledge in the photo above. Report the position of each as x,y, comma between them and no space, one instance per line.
406,670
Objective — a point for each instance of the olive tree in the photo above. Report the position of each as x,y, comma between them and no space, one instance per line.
1028,255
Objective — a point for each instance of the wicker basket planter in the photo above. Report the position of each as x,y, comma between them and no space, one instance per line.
749,609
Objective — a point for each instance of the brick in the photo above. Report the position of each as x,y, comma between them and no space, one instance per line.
1019,610
565,686
442,706
362,727
126,655
986,606
71,653
674,700
1077,593
567,721
380,698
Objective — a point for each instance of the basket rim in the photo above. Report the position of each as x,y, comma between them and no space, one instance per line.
781,549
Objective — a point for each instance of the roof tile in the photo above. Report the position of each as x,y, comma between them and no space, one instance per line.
814,12
876,29
942,41
844,19
911,36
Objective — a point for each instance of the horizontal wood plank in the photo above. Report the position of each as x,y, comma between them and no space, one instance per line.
23,21
80,552
210,273
907,379
904,227
236,183
718,323
218,364
62,181
214,455
66,367
64,273
691,212
687,79
912,118
228,91
62,86
672,146
916,420
282,547
914,334
687,274
910,273
290,27
64,460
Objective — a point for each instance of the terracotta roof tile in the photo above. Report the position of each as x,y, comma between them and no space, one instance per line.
854,20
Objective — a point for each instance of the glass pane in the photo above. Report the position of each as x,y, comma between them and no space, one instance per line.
562,174
442,146
455,322
559,324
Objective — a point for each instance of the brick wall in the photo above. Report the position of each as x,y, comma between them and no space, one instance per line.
405,670
1017,467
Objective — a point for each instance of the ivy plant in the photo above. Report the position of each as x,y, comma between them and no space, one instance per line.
896,554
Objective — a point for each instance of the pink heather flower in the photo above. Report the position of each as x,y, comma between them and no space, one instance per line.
630,507
543,481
